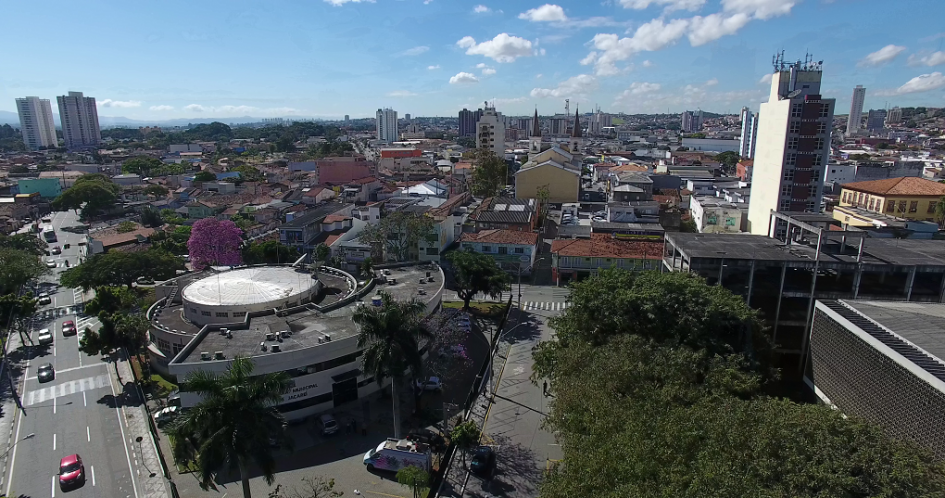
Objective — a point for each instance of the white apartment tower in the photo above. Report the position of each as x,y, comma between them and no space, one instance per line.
36,122
746,144
490,131
79,118
856,109
387,125
691,121
894,116
793,145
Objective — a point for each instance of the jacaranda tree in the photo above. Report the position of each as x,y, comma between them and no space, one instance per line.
214,242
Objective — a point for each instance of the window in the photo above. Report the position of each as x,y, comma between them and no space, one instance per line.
813,190
822,128
785,190
824,110
846,195
792,143
913,206
819,144
239,314
222,314
859,198
193,310
890,206
789,175
818,160
163,345
205,313
902,206
432,251
790,159
871,203
176,348
932,205
785,205
796,110
519,250
795,127
486,248
503,250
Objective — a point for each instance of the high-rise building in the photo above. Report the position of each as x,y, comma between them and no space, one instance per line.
490,131
876,119
467,122
894,116
746,144
407,117
387,125
534,137
346,118
793,146
856,109
36,122
79,118
691,121
598,122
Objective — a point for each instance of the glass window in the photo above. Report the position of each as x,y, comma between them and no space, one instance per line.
890,206
432,251
902,206
519,250
222,314
913,206
486,248
871,203
503,250
932,205
205,313
239,314
824,110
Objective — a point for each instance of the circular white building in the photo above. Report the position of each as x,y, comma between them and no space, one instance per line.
228,296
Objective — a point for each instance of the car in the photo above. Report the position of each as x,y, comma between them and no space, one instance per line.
71,471
431,384
57,250
47,220
45,373
599,218
68,328
483,461
165,415
44,298
144,281
328,423
45,337
50,263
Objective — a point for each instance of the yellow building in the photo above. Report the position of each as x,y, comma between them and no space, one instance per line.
868,203
556,169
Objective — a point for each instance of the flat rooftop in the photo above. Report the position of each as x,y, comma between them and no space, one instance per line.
309,326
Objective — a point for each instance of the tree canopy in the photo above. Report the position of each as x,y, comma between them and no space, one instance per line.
93,193
269,252
121,268
143,165
490,174
659,390
214,242
205,176
476,273
18,267
397,234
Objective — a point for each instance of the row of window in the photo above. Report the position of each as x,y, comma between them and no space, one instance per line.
503,250
574,261
221,314
791,159
785,205
793,142
875,204
787,189
798,109
789,174
796,127
325,365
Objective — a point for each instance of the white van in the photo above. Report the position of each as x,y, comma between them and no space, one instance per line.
395,454
328,423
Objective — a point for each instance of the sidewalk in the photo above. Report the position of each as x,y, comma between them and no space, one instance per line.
9,411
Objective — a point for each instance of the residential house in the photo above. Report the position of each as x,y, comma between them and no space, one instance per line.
572,259
743,169
317,195
302,229
199,209
362,190
505,213
554,169
111,238
908,198
448,219
512,250
340,170
714,215
633,212
127,180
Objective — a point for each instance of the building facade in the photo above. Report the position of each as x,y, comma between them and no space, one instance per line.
490,131
79,117
386,125
36,123
856,109
793,146
746,142
690,121
908,198
714,215
894,116
467,122
876,119
512,250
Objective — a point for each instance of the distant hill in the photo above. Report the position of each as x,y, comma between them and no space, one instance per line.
12,118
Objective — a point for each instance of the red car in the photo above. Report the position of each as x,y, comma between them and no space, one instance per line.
68,328
71,472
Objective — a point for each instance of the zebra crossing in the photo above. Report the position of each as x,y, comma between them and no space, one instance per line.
66,388
86,321
544,305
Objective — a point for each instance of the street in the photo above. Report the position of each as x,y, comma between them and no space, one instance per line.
76,412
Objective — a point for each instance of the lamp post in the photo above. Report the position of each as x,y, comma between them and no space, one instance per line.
28,436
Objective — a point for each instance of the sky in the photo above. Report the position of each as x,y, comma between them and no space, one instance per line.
327,58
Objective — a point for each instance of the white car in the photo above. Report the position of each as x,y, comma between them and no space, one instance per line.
45,337
165,414
50,263
432,384
44,298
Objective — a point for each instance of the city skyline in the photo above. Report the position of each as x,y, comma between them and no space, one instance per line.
337,57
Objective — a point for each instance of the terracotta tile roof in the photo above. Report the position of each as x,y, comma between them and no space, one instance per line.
313,192
629,167
602,245
334,218
746,162
362,181
332,238
907,186
499,236
111,237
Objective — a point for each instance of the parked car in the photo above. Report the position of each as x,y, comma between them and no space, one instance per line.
50,263
45,337
483,461
71,472
165,415
68,328
144,281
45,373
328,424
431,384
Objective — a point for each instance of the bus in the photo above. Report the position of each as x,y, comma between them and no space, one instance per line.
49,233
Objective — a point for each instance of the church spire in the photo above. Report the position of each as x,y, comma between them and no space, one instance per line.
576,130
536,125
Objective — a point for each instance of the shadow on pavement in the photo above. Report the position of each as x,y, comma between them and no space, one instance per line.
516,470
127,397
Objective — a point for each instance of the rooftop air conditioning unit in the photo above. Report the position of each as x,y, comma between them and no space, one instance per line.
204,355
270,336
327,337
275,348
321,339
218,355
262,346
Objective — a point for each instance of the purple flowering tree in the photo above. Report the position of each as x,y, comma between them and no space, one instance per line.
215,242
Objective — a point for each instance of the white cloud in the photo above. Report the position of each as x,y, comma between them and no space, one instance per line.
712,82
411,52
427,2
766,79
591,57
463,77
882,56
401,93
339,3
545,13
671,5
933,59
703,30
571,87
499,102
431,68
647,63
161,108
759,9
119,103
923,83
481,65
194,108
502,48
638,88
487,71
481,9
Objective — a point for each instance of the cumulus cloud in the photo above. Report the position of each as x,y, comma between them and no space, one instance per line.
572,87
431,68
933,59
647,63
923,83
463,77
670,5
194,108
411,52
882,56
481,9
487,71
119,103
339,3
481,65
759,9
641,87
766,79
515,100
401,93
545,13
502,48
591,57
703,30
712,82
161,108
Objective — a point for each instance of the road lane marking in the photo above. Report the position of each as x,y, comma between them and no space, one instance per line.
65,389
54,405
124,441
93,475
84,401
88,434
53,487
54,442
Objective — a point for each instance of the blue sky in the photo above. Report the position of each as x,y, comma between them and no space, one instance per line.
327,58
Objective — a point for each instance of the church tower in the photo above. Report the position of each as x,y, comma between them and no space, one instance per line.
576,143
534,139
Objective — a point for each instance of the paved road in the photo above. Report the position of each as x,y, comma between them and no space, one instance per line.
74,413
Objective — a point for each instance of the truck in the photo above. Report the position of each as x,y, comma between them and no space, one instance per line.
394,454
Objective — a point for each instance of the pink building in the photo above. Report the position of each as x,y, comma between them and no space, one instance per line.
341,170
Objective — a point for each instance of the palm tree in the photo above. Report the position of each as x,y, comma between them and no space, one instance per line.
390,338
234,424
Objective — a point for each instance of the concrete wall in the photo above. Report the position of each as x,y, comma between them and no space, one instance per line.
563,185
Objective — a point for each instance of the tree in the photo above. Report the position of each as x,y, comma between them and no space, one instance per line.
121,268
249,173
490,174
269,252
205,176
321,254
389,337
118,330
397,234
728,159
158,191
465,436
93,193
233,424
27,242
214,242
312,487
142,165
126,226
543,195
151,218
940,211
476,273
417,479
367,267
18,267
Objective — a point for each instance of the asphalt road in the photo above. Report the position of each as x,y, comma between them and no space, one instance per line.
75,412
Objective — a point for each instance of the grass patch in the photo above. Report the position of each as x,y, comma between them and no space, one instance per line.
484,310
182,467
162,384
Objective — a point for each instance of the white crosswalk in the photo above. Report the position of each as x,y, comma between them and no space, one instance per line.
86,321
66,388
544,305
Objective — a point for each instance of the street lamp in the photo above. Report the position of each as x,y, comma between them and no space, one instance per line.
28,436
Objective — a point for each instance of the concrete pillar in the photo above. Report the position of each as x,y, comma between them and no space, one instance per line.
751,283
777,311
909,283
856,281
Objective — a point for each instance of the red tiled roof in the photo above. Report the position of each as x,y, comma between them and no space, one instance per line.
334,218
907,186
111,237
332,238
313,192
499,236
602,245
362,181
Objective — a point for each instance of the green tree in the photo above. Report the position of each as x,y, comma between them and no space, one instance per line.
26,242
158,191
233,424
269,252
390,339
321,254
415,478
93,193
17,268
126,226
397,234
151,218
490,174
312,487
728,159
476,273
367,267
465,435
940,211
205,176
142,165
118,330
121,268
